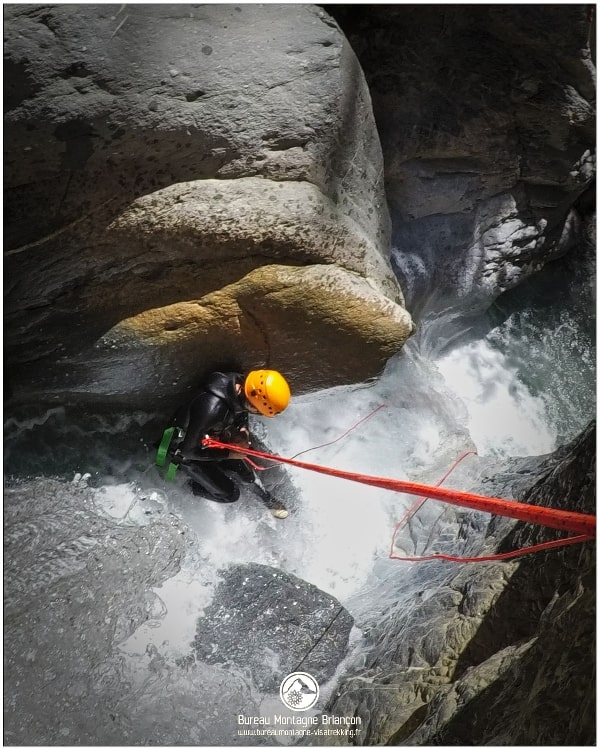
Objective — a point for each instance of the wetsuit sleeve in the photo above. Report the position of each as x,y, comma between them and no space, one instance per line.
241,422
206,411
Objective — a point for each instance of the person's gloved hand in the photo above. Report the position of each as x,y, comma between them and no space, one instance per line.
242,437
243,440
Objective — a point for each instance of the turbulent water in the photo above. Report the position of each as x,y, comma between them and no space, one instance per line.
92,525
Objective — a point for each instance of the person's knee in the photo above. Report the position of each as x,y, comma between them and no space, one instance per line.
217,494
222,496
212,483
242,471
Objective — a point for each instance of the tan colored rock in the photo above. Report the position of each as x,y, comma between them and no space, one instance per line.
158,174
309,322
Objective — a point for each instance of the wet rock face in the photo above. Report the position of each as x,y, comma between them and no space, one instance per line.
487,122
156,154
287,625
495,653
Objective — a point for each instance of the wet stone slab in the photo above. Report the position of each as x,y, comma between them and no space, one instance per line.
272,623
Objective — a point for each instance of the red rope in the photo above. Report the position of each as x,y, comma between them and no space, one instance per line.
481,558
253,465
415,506
578,523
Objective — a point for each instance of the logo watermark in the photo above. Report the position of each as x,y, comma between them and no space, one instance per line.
299,691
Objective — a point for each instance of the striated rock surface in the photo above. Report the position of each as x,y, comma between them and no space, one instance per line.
487,121
156,154
491,654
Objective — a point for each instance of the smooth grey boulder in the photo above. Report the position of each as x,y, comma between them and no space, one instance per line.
157,154
272,623
487,120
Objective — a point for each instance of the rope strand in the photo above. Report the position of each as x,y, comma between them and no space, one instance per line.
578,523
343,435
323,445
498,557
415,506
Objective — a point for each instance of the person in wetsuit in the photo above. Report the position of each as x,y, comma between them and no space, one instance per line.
220,410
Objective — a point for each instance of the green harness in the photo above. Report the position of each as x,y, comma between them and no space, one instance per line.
163,449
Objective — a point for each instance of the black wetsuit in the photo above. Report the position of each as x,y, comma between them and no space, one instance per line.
219,411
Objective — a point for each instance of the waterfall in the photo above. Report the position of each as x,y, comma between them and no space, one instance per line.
523,388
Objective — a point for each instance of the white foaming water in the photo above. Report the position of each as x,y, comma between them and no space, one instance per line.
420,417
418,422
179,603
337,530
505,418
411,423
342,528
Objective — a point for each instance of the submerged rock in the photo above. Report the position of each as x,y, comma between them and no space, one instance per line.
273,623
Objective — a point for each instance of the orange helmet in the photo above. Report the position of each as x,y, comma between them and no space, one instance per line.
267,391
